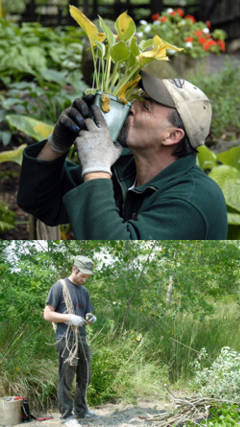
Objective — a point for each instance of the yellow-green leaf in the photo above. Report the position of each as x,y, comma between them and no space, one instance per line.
207,158
230,157
125,26
31,127
13,155
87,25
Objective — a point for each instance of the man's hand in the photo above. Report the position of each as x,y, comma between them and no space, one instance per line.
90,318
96,151
69,124
75,320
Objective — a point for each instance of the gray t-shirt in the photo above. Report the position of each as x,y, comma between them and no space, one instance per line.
80,299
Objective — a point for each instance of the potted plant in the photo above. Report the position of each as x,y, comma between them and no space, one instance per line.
118,59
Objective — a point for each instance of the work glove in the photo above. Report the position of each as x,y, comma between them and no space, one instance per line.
75,320
95,148
69,124
90,318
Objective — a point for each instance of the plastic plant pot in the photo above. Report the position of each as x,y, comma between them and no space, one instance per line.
117,114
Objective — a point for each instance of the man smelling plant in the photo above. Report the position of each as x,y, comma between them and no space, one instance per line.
153,190
68,305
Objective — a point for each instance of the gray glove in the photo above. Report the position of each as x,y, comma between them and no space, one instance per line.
90,318
75,320
96,151
69,124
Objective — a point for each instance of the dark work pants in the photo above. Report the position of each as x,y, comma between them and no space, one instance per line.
81,368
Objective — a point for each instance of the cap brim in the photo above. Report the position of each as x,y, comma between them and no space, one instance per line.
156,89
85,271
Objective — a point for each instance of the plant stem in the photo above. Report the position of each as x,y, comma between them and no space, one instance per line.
108,72
95,74
125,79
115,76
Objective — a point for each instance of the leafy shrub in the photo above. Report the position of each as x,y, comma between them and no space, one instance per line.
223,90
222,378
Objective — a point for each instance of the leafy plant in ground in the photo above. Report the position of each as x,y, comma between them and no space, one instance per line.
7,218
225,105
222,378
194,36
224,168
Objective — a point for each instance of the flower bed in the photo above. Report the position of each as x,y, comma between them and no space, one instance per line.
194,36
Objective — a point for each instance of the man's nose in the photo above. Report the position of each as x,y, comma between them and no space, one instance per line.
134,106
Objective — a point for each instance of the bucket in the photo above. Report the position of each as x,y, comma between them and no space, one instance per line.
117,115
10,411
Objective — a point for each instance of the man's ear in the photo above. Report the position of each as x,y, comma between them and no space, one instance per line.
175,135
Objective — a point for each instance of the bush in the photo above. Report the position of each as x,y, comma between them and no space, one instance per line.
222,379
223,89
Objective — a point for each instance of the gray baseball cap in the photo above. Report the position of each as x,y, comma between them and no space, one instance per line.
191,103
83,264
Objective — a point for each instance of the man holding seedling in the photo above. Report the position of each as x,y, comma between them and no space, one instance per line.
68,305
153,189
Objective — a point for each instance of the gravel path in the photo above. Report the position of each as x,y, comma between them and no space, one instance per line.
113,415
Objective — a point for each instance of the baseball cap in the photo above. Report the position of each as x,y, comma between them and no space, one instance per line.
191,103
84,264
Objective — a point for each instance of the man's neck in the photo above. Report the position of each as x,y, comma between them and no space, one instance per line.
150,165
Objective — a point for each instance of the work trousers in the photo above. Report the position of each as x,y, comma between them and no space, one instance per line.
79,367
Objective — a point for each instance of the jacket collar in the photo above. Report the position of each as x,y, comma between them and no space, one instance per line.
126,172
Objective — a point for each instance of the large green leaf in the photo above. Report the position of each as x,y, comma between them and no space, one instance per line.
119,52
206,158
34,128
233,218
222,173
228,178
13,155
53,76
230,157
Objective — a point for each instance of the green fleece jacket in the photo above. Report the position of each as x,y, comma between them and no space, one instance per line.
181,202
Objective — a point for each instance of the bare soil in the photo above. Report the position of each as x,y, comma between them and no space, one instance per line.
114,415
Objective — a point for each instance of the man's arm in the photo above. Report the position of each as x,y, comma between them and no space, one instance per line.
52,316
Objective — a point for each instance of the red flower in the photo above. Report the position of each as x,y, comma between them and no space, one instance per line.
180,12
202,40
163,19
208,24
208,44
222,45
173,13
190,17
198,33
155,17
189,39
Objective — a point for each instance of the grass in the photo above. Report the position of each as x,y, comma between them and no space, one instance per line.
134,364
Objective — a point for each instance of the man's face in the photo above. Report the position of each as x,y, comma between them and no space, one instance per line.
146,125
78,277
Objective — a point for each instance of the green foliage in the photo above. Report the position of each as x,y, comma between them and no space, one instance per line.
38,74
225,170
7,218
223,89
141,339
223,415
